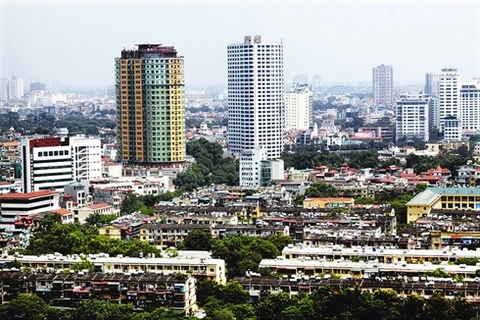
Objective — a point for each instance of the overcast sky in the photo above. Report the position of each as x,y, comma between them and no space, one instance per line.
76,42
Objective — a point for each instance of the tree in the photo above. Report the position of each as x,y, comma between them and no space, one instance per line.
280,241
101,310
364,200
243,253
321,190
96,220
198,240
131,203
29,307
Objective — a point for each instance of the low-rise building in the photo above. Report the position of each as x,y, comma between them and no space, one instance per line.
447,200
201,268
65,290
15,204
328,202
99,208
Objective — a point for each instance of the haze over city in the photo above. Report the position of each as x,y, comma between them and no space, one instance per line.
75,43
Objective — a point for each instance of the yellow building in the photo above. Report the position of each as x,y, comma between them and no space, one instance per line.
327,203
150,105
444,199
112,232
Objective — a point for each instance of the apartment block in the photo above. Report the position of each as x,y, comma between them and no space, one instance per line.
150,106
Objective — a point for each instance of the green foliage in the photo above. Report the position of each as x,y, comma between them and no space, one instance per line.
321,190
30,307
424,163
96,220
85,264
242,253
73,238
467,261
208,155
193,177
363,159
280,241
198,240
364,200
309,159
391,162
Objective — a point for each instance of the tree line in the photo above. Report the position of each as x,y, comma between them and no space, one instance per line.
32,307
53,236
231,302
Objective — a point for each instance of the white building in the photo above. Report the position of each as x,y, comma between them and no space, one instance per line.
277,169
256,110
412,116
470,105
452,129
16,88
87,155
298,107
448,95
382,83
53,162
250,167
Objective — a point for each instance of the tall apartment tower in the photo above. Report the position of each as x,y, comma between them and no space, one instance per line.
256,109
449,96
412,117
431,83
298,107
470,105
150,106
382,83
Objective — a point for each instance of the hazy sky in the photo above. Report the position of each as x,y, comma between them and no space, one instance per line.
76,42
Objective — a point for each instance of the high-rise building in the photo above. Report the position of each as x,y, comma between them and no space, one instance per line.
382,83
470,105
316,81
412,117
150,106
256,107
298,107
52,163
431,83
449,96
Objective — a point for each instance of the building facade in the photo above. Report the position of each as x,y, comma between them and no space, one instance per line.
448,95
150,106
250,167
382,83
298,107
52,163
412,117
15,205
256,109
431,84
470,106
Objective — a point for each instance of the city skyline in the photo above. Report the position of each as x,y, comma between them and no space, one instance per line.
341,42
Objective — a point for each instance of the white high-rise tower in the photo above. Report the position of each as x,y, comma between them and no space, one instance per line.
256,109
449,95
382,83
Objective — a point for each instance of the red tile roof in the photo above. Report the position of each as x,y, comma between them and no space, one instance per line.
98,206
61,211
